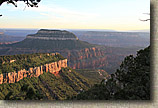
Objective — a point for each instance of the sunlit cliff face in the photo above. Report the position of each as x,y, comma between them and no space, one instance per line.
53,68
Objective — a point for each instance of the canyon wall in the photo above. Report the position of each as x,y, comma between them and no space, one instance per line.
91,58
13,77
106,58
96,58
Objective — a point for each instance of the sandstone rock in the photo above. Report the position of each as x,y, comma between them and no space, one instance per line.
5,77
11,61
53,68
12,77
53,54
37,71
46,67
53,35
1,78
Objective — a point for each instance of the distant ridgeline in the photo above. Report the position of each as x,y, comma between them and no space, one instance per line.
52,39
16,67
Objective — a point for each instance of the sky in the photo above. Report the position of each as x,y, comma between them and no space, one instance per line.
121,15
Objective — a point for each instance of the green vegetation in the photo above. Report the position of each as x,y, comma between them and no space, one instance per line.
51,44
25,61
46,87
130,82
94,75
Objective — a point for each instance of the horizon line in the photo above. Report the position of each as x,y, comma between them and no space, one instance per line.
145,30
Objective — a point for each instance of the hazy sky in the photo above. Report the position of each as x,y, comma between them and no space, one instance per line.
78,14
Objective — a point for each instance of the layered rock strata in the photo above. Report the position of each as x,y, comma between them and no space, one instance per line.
45,34
50,38
53,68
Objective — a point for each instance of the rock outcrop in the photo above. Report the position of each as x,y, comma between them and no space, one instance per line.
105,58
53,68
80,54
45,34
91,58
95,58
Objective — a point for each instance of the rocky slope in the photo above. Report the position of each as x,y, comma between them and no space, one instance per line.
80,54
13,77
44,34
46,87
51,39
94,75
106,58
130,82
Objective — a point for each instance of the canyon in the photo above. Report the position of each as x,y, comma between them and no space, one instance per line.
53,68
105,58
80,54
115,39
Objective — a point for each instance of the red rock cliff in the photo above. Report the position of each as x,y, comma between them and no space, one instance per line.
105,58
13,77
91,58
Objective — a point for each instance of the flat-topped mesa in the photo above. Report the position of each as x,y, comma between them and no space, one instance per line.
45,34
